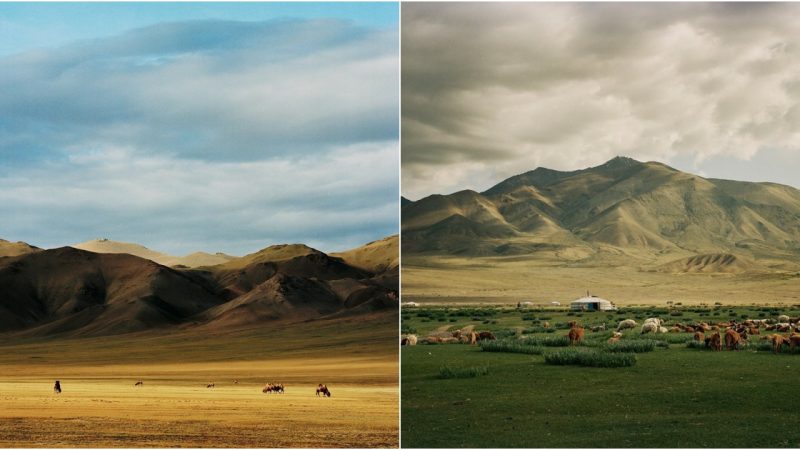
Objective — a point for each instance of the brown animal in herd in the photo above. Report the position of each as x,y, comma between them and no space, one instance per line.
714,342
732,340
794,341
486,336
322,389
777,341
689,329
575,333
753,330
699,336
473,338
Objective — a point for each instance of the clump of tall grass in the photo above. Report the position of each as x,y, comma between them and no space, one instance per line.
510,346
447,372
631,346
532,330
671,338
589,358
547,341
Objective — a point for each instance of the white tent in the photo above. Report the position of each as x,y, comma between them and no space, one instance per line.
592,303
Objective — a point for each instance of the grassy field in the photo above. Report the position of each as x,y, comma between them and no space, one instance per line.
673,396
100,407
509,280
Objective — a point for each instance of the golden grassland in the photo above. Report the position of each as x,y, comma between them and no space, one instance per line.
511,280
100,407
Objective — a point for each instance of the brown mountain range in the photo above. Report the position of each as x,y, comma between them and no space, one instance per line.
69,291
646,212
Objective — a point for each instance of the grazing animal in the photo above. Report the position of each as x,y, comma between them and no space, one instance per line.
777,341
322,389
699,336
784,327
473,338
486,335
596,328
615,338
575,333
794,341
783,318
409,339
235,381
654,320
276,388
753,330
662,330
625,324
714,342
675,329
732,340
649,327
545,324
57,387
139,383
209,385
689,329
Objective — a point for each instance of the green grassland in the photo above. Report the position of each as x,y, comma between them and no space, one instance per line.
673,396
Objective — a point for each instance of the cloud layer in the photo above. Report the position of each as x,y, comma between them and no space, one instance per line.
204,135
491,90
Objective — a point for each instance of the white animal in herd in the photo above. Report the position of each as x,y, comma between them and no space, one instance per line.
626,324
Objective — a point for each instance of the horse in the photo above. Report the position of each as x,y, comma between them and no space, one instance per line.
323,390
209,385
139,383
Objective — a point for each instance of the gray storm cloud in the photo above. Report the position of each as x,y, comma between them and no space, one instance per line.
491,90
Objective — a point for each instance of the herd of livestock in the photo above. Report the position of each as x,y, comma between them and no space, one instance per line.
277,388
785,331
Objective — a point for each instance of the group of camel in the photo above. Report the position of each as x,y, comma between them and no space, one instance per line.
277,388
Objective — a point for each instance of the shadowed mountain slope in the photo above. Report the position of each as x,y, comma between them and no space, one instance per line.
69,291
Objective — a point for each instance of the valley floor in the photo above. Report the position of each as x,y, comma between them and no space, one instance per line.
100,407
510,280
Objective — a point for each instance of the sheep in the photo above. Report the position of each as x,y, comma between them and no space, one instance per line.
663,330
783,318
410,339
654,320
625,324
649,327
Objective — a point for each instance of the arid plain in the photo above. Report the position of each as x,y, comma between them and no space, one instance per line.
292,316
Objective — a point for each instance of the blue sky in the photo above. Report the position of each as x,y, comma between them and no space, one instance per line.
199,126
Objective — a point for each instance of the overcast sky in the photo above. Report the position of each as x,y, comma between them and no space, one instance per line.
493,90
188,127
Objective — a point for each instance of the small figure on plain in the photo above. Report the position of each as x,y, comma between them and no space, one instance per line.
235,381
210,385
139,383
57,387
322,389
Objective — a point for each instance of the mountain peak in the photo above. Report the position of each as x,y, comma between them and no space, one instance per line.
620,162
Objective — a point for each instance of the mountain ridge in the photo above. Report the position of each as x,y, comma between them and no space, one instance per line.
646,209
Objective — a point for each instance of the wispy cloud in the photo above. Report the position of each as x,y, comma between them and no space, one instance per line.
213,135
